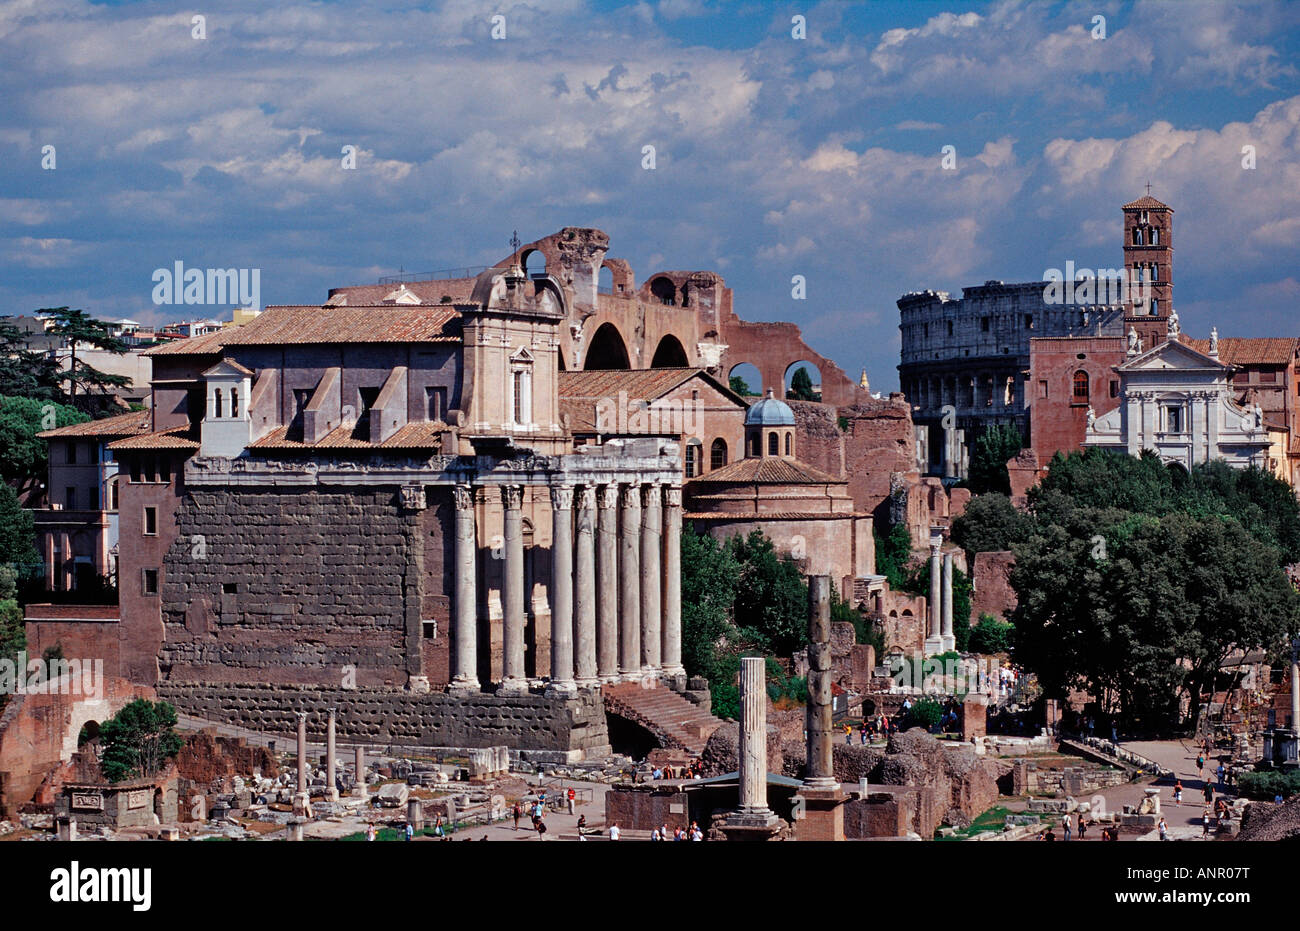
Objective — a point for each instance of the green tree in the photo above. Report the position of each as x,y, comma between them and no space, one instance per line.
991,635
24,456
893,553
138,740
801,387
17,533
771,606
988,461
740,387
24,372
925,712
710,641
78,327
991,523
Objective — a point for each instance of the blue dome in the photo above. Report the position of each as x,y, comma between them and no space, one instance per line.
769,412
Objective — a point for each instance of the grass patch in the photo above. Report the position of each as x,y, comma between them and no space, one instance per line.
994,819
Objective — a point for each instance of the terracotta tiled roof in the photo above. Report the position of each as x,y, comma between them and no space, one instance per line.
429,292
412,436
770,471
1145,200
580,392
121,425
386,323
1266,350
772,515
207,344
164,439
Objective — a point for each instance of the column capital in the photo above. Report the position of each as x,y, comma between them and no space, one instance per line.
587,496
413,498
463,495
562,497
631,497
673,496
651,496
512,496
302,716
608,496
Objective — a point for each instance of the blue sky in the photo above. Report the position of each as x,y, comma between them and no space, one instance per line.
776,157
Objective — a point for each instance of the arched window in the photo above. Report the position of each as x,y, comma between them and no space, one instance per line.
1137,236
216,407
1155,307
787,444
234,402
1081,386
755,444
773,445
1155,237
693,450
718,454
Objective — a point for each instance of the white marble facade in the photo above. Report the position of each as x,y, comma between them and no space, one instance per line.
1179,402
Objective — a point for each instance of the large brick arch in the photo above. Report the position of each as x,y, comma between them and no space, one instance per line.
606,349
773,347
670,353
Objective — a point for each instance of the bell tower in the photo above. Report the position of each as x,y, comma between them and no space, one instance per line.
1149,264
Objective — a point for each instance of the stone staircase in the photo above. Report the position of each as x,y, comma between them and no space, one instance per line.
676,722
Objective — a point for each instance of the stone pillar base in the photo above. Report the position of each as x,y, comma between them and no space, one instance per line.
460,686
418,684
332,795
948,642
591,683
751,826
567,688
302,806
933,645
517,686
821,813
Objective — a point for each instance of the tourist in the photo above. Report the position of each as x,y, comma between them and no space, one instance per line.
1065,826
1163,829
1208,793
371,833
1220,773
1083,826
437,827
410,830
1205,823
696,833
848,733
863,733
654,835
541,829
1200,765
572,796
1049,835
614,832
518,812
582,825
1178,792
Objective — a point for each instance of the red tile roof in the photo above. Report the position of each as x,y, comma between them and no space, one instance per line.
385,323
580,392
207,344
163,439
1146,200
122,425
1266,350
770,471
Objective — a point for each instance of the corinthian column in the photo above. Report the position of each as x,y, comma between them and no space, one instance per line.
513,678
562,589
672,606
331,788
934,641
465,632
607,585
585,596
753,737
652,579
302,752
946,633
629,557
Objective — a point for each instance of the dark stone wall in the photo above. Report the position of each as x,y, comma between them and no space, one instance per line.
521,722
293,586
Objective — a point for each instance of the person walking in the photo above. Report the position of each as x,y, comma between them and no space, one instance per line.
848,733
1200,766
614,832
1220,773
572,797
1083,827
1065,826
1178,792
1163,829
410,830
1205,823
1208,793
518,812
370,831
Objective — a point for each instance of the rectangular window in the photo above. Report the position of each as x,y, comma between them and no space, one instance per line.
1174,419
70,499
1268,377
1114,388
114,490
93,503
436,400
135,471
149,581
950,328
1042,388
430,630
165,470
1029,321
150,521
984,324
72,454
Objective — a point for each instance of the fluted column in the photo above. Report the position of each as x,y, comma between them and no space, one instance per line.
562,589
672,606
465,628
607,584
302,752
946,632
513,678
652,578
934,640
753,736
629,579
331,762
359,764
585,594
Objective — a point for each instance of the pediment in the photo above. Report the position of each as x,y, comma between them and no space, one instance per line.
1172,356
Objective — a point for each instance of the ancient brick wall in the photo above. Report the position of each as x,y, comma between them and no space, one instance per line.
292,587
880,439
993,592
521,722
1058,419
646,807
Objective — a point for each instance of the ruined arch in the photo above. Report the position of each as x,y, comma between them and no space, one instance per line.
814,374
664,290
533,262
749,373
670,354
607,349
